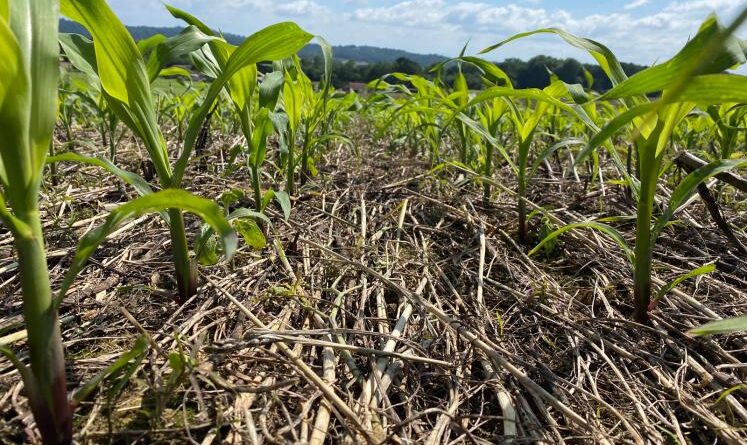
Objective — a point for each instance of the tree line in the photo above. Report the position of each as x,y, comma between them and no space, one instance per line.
534,73
362,64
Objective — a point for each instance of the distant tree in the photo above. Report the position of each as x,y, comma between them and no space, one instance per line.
570,71
365,63
406,66
535,73
513,67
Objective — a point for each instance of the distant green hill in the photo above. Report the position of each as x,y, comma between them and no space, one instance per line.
372,54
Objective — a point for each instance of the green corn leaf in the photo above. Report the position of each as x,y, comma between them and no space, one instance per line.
44,74
250,232
293,105
660,77
603,55
136,181
203,61
147,44
155,202
531,93
715,89
117,56
491,72
613,127
604,228
79,51
190,19
218,53
134,355
11,59
17,226
285,203
702,270
206,248
269,89
123,76
262,129
12,82
328,60
175,71
28,94
687,187
172,49
242,84
728,326
482,131
247,213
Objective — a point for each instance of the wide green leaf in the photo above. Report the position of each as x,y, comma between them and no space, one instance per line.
174,48
43,73
206,249
79,51
208,210
702,270
613,126
133,357
269,89
687,187
603,55
250,233
117,56
660,77
136,181
604,228
715,89
13,153
728,326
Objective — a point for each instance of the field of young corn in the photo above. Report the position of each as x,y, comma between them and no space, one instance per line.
231,253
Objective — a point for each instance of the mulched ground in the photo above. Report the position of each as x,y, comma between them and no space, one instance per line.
395,306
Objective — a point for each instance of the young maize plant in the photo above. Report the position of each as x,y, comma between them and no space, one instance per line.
461,93
28,108
257,114
421,108
731,122
179,102
525,121
126,79
68,107
308,114
87,86
491,117
693,77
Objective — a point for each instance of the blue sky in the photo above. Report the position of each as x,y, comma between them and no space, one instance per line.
640,31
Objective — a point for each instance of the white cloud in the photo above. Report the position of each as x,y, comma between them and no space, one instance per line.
302,7
713,5
636,4
634,37
634,32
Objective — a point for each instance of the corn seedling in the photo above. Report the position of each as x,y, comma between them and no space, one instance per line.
692,77
126,79
28,100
